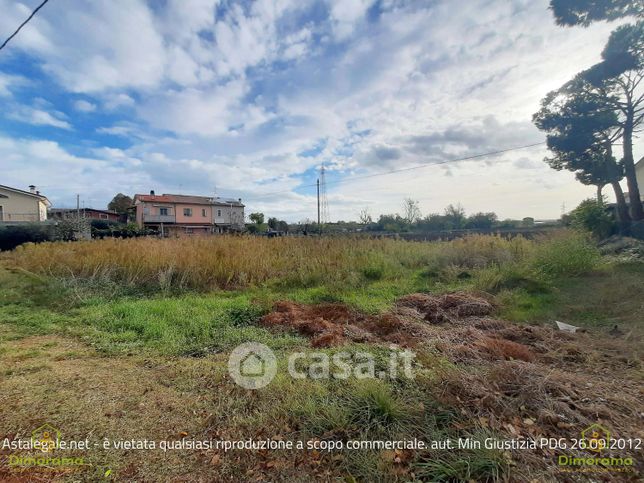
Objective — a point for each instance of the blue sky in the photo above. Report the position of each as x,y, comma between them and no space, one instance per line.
246,99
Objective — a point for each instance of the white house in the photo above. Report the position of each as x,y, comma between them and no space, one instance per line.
639,174
18,206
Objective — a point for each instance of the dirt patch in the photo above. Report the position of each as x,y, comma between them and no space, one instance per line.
405,325
447,307
334,324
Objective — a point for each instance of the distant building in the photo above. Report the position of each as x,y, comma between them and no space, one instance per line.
191,215
19,206
88,213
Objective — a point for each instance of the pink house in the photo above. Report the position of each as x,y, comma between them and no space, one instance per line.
190,215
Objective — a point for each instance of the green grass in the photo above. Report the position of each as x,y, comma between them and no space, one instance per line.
476,464
188,325
608,296
555,281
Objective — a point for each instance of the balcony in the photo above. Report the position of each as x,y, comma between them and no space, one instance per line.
158,219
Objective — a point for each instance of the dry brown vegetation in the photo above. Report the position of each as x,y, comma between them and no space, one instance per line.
237,262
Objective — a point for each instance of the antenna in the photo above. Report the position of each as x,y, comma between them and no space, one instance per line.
324,203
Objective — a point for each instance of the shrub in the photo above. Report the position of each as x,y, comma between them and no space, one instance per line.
591,216
567,253
13,236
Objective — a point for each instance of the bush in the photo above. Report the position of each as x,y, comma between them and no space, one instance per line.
12,236
591,216
569,253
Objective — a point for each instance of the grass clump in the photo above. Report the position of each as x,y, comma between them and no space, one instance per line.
375,408
568,253
478,464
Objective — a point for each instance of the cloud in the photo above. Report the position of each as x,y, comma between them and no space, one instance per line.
251,97
84,106
207,112
117,130
39,117
345,14
9,81
101,45
528,163
68,175
114,101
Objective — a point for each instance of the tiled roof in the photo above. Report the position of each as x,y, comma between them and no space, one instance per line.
64,210
188,199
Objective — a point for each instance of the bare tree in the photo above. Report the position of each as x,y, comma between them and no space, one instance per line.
411,210
365,216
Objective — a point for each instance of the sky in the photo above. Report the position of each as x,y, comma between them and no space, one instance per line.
247,99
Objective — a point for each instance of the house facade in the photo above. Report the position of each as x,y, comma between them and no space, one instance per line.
88,213
188,215
19,206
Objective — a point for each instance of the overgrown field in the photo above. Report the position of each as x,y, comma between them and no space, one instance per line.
124,339
210,263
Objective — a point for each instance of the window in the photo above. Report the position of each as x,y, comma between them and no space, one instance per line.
1,213
103,216
189,231
218,212
187,212
163,211
203,212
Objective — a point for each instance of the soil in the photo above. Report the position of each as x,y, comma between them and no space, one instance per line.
518,380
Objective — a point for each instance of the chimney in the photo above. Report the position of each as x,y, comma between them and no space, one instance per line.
32,188
152,192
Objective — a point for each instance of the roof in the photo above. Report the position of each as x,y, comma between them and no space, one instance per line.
227,202
28,193
63,210
187,199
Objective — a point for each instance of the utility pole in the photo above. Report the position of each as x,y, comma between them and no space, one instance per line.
78,206
319,226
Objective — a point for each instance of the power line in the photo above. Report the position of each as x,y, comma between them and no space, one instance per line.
400,170
23,24
384,173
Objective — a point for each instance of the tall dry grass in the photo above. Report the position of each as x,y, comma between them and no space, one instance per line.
204,263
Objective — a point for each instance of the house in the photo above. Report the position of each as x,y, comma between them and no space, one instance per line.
639,175
18,206
88,213
185,214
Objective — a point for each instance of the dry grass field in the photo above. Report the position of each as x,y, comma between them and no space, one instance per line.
130,339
